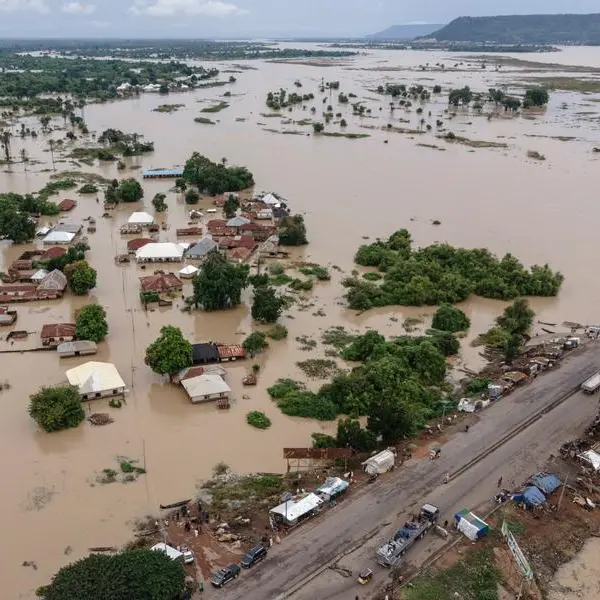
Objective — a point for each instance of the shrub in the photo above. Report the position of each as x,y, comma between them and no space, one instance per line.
258,419
57,408
282,387
451,319
278,332
308,405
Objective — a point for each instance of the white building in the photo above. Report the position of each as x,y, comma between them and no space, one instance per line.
292,512
171,552
160,252
141,218
188,271
63,238
206,388
96,380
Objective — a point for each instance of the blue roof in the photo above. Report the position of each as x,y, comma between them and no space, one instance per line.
162,172
546,482
533,497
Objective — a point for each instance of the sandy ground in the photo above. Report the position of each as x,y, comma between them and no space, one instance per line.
353,531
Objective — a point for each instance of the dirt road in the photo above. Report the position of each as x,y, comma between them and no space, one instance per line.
297,568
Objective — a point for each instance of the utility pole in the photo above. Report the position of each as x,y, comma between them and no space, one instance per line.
562,493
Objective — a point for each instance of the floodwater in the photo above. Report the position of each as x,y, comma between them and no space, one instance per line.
348,190
579,578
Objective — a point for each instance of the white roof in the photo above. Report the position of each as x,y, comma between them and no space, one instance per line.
591,457
59,237
39,275
188,270
291,510
204,385
160,250
270,199
93,377
141,218
43,230
171,552
238,221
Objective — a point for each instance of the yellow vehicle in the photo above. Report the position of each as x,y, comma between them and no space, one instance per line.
365,576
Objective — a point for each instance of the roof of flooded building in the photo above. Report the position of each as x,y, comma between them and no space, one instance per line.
58,330
55,281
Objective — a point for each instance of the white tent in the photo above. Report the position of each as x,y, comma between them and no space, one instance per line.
188,271
171,552
159,252
141,218
59,237
291,511
270,199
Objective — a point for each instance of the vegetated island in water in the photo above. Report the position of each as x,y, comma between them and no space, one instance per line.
165,49
565,29
441,273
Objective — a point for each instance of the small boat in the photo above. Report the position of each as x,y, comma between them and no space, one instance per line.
175,504
18,334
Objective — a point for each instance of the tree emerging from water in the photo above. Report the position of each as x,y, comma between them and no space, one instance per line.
215,178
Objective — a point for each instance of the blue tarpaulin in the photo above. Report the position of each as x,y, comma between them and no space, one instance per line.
531,497
546,482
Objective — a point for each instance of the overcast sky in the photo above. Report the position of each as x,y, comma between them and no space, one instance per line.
236,18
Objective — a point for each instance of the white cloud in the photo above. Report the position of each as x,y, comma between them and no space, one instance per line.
37,5
168,8
78,8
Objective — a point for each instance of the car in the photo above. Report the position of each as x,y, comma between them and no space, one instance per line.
253,556
225,575
188,555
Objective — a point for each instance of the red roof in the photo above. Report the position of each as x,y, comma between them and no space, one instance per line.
231,351
67,204
21,265
238,241
238,253
193,372
216,223
54,252
58,330
138,243
189,231
161,282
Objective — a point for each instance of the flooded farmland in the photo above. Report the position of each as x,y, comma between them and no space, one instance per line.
348,190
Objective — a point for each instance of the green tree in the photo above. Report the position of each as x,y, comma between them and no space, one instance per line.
192,197
91,323
231,205
255,343
81,277
180,184
130,190
292,231
140,574
351,434
363,346
318,127
219,284
215,178
389,417
536,96
449,318
170,352
267,305
56,408
512,347
159,202
16,226
460,96
516,318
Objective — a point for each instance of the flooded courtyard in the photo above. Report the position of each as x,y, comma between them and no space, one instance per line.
349,190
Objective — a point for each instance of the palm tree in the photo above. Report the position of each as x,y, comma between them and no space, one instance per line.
24,158
51,146
5,136
44,121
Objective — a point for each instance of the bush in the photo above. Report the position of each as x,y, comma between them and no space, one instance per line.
301,285
282,387
477,385
91,323
311,269
276,269
258,419
278,332
88,188
57,408
451,319
308,405
255,342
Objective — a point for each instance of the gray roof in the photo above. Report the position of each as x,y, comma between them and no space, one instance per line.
238,221
55,281
202,248
67,227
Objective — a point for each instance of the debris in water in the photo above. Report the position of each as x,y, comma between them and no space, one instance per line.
100,419
29,563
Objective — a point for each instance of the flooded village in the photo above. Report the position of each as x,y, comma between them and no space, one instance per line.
150,441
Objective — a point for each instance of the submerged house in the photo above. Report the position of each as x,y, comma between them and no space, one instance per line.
201,249
53,285
161,283
205,353
76,348
55,333
207,387
96,380
160,252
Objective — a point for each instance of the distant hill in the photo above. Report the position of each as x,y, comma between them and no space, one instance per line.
404,32
522,29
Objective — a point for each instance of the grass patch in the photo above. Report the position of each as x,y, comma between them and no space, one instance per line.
215,108
567,84
244,489
258,419
204,121
81,176
168,108
349,136
318,368
278,332
107,476
496,337
276,269
281,279
337,337
306,343
211,84
88,188
301,285
535,155
457,139
475,576
372,276
115,403
315,270
271,115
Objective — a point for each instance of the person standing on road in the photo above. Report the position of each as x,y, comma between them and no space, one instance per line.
500,482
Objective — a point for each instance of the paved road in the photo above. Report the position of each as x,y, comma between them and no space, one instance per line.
356,526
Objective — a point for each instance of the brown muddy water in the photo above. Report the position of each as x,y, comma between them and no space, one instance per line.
347,189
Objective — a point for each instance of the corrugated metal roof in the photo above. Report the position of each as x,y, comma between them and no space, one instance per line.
162,173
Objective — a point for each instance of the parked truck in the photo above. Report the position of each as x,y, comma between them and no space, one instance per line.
592,384
390,554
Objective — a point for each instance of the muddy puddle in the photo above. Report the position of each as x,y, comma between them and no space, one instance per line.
579,578
348,190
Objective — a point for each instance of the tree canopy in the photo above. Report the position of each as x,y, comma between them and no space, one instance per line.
91,323
15,211
81,277
170,352
292,231
159,202
516,318
219,283
56,408
266,304
215,178
441,273
255,343
139,574
451,319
